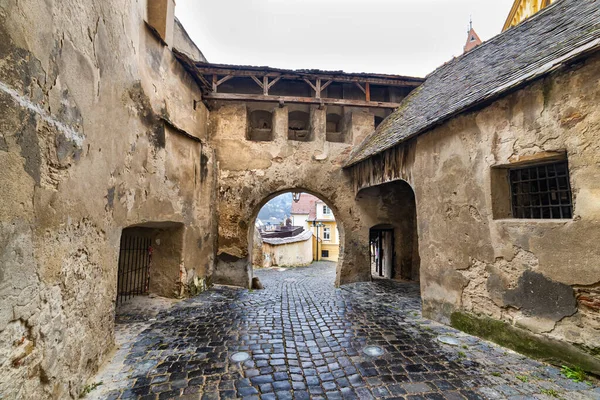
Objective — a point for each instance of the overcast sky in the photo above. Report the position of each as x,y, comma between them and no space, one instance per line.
406,37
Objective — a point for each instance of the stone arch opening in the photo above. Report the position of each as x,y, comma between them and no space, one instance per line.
150,259
391,215
325,234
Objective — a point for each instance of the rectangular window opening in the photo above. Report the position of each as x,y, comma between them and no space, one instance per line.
326,233
541,191
325,253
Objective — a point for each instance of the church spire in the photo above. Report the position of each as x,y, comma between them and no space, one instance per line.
473,39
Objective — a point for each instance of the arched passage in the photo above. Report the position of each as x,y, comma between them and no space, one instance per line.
390,214
317,222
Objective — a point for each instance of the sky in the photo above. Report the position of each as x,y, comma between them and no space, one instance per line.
404,37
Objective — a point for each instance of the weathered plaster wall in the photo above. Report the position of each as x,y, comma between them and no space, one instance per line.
252,172
288,255
85,90
539,275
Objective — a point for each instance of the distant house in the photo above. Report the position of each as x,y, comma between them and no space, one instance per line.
289,246
313,214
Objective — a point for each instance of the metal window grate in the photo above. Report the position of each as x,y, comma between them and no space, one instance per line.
135,257
541,191
325,253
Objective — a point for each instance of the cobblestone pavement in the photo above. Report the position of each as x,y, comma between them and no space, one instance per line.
306,339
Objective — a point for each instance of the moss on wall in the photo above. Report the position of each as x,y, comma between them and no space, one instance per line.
524,342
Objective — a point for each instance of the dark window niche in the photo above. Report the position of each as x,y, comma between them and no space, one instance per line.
334,128
533,191
260,127
299,126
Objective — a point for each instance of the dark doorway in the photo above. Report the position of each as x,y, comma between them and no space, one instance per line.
135,258
150,261
382,252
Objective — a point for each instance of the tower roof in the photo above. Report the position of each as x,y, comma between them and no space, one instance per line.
473,40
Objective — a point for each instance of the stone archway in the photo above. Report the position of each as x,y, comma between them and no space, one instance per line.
236,229
251,225
391,207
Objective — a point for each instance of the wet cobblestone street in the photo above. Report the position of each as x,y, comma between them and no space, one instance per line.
306,340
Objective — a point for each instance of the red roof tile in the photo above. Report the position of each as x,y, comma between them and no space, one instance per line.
306,205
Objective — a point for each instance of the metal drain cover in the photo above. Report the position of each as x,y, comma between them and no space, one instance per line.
448,340
373,351
240,357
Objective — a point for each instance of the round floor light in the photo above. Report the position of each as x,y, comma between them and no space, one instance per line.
373,351
240,357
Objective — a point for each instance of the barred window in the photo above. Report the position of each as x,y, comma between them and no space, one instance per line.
325,253
541,191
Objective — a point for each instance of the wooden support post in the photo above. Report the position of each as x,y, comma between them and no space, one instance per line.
214,83
318,88
367,91
266,85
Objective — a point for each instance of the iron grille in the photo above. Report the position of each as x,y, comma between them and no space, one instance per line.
135,257
541,191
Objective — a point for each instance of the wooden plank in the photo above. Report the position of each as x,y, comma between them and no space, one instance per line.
300,100
368,91
266,85
214,83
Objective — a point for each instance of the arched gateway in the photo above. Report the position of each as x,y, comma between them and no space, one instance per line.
315,121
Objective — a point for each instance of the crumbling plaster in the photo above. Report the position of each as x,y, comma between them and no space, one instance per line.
476,263
95,115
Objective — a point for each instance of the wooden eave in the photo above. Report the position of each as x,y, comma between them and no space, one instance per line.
210,76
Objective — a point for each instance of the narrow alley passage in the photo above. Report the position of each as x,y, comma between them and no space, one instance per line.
307,339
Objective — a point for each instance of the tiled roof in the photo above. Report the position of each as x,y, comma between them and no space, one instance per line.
306,205
559,33
305,235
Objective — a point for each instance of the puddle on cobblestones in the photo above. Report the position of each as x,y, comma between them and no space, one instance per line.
305,339
448,340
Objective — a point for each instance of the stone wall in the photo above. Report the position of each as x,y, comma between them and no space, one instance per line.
99,131
541,277
252,172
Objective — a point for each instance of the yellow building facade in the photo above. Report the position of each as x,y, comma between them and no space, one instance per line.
315,216
523,9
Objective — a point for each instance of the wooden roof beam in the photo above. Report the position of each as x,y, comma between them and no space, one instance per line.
302,76
298,100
